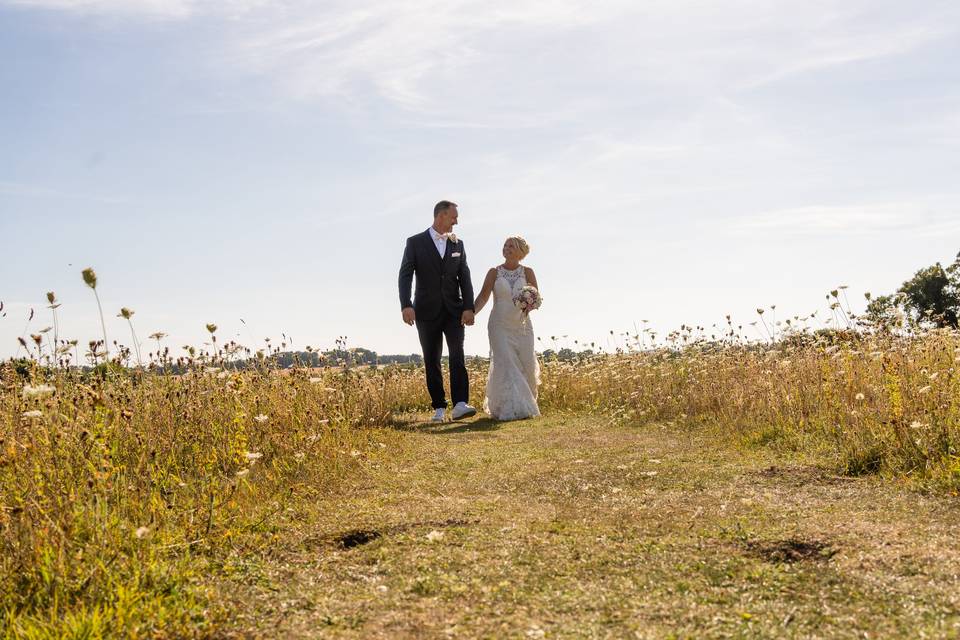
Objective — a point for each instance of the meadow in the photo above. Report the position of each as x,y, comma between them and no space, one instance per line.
130,495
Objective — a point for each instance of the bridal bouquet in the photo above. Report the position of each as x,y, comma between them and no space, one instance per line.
528,299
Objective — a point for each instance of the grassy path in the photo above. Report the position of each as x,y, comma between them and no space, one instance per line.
564,527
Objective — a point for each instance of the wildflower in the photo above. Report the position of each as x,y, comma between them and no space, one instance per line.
934,375
261,418
315,380
252,456
211,369
435,535
299,456
212,328
860,396
649,474
242,472
916,424
355,453
125,313
924,390
40,390
90,277
222,375
141,532
32,414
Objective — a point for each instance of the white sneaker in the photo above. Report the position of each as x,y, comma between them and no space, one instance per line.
463,410
439,416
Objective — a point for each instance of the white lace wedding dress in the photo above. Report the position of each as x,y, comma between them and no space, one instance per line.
514,370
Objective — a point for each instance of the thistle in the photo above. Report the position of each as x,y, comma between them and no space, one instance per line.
90,278
212,328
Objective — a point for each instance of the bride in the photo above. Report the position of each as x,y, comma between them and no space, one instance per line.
514,370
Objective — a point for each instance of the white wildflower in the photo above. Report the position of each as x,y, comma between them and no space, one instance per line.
435,535
924,390
649,474
242,472
141,532
222,375
211,369
860,396
252,456
38,391
315,380
354,453
36,413
261,418
299,456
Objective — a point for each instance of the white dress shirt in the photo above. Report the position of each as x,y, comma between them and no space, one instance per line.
439,241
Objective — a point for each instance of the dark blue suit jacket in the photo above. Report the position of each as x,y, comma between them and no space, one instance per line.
442,283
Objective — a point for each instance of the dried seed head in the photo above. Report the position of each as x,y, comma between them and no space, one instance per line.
212,328
90,277
125,313
51,297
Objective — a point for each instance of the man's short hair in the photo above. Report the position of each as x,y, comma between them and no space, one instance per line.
442,206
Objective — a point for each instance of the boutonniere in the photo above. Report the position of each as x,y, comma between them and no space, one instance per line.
452,237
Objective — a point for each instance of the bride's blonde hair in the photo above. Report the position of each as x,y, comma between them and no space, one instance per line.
521,244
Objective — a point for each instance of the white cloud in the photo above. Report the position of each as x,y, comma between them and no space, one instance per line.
917,218
163,9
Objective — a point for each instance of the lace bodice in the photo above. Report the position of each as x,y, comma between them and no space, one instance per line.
513,276
505,313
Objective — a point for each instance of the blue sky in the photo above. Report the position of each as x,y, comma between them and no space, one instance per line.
669,161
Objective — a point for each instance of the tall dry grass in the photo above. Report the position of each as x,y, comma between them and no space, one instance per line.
117,486
867,402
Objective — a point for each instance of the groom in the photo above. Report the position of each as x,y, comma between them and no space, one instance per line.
437,258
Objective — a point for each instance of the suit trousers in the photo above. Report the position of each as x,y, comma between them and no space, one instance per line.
431,334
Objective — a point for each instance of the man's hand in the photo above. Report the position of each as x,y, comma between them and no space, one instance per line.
409,316
467,318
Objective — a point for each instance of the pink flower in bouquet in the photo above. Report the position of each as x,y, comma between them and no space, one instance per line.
528,299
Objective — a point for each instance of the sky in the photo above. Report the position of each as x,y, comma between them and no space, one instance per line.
669,161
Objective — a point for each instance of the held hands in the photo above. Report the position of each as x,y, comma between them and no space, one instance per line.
409,316
467,318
